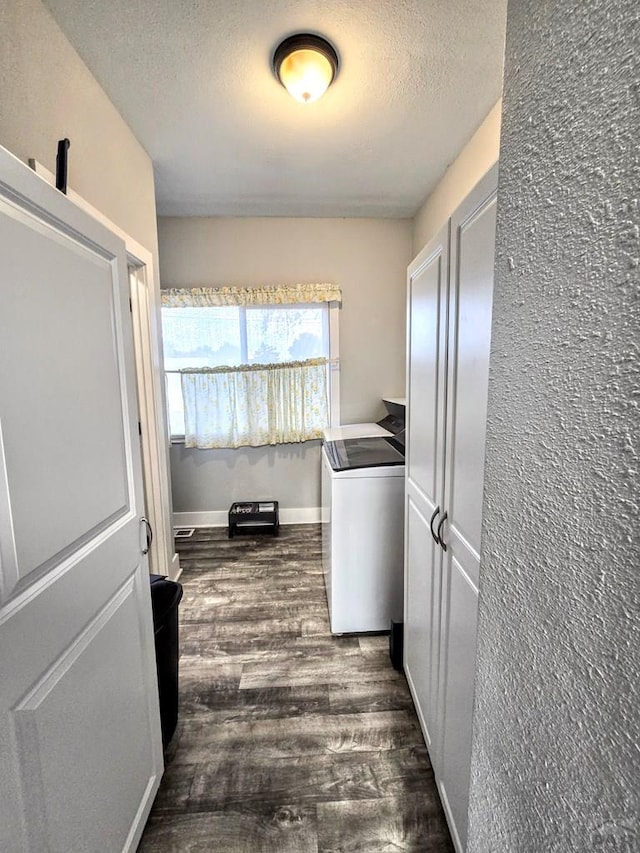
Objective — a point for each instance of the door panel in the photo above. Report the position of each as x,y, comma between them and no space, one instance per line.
422,621
44,716
80,742
458,665
470,301
427,325
427,329
55,425
470,304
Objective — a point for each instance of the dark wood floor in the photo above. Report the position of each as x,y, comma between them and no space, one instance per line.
289,740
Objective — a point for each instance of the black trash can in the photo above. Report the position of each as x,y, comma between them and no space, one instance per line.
165,597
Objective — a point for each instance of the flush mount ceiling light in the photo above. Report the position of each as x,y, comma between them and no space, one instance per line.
306,65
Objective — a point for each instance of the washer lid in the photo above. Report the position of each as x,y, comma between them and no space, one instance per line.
354,431
345,455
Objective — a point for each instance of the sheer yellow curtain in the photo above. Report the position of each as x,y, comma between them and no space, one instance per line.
253,405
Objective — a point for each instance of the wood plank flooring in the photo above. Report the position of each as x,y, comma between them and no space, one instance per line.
289,740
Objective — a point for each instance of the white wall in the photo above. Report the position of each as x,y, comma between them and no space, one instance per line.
475,159
46,94
556,730
368,258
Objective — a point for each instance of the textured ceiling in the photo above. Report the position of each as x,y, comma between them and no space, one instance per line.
193,81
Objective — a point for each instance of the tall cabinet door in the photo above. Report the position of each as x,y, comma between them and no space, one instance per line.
469,321
427,330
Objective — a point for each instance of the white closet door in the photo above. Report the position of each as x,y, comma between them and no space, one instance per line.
422,621
80,744
426,345
427,329
470,304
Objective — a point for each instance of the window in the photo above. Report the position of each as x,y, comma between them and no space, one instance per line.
199,337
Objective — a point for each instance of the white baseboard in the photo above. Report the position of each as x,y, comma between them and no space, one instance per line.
220,518
300,515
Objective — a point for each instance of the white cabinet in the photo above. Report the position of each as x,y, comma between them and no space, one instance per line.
450,288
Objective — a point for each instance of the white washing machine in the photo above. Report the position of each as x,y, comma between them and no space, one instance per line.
363,528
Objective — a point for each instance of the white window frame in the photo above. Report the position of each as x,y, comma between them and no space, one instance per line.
333,366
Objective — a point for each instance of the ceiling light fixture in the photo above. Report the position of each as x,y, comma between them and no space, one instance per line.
306,65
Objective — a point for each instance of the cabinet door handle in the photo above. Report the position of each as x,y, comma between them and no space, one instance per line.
433,518
439,532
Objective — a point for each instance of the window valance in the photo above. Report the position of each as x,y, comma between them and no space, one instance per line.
291,294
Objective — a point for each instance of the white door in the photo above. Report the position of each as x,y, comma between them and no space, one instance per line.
80,744
427,330
470,302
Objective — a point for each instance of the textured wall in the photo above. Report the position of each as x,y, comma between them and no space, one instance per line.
556,762
368,258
